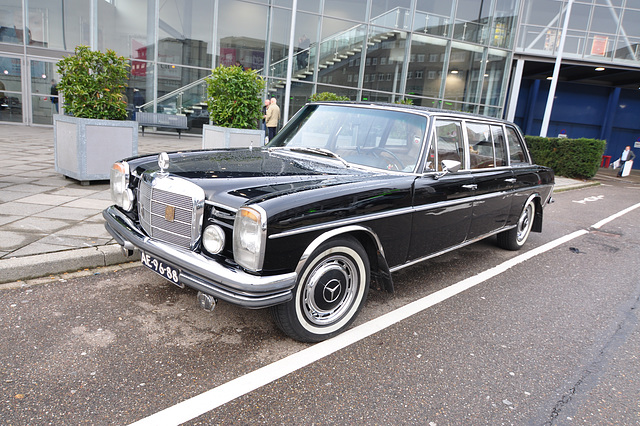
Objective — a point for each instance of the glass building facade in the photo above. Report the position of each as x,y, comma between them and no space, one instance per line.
451,54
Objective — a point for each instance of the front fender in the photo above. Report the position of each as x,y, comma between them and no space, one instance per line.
371,243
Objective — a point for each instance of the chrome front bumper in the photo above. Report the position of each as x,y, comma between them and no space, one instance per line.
201,273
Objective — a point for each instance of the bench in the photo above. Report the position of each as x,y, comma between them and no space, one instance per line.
153,119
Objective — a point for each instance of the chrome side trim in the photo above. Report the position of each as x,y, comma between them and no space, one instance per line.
404,210
466,243
342,222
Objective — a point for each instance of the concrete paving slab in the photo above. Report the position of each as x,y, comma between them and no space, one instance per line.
39,248
4,219
39,225
67,213
48,199
11,241
28,188
11,178
23,167
102,195
6,196
96,218
76,192
74,241
21,209
90,203
86,229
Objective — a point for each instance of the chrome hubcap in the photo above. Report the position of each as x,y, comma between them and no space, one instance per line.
524,223
330,290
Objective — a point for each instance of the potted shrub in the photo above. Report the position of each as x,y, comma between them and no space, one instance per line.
327,96
235,108
94,134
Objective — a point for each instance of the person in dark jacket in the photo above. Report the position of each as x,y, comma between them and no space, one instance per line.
627,155
54,94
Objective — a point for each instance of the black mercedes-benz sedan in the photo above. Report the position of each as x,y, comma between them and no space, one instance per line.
345,195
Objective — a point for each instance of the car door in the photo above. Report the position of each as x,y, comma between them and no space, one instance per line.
493,179
442,204
524,172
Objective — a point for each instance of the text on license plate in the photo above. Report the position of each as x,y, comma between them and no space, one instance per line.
167,271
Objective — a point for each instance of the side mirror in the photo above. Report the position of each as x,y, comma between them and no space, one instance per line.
448,166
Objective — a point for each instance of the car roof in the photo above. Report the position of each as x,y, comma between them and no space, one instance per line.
415,109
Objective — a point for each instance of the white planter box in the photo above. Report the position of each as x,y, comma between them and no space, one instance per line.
214,137
85,149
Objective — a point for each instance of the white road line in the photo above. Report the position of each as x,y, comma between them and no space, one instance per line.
615,216
216,397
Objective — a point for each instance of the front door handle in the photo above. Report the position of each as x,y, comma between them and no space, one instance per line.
511,180
472,187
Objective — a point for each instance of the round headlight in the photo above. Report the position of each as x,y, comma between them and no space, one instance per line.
119,177
213,239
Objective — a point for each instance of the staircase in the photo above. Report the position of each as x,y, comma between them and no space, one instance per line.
330,54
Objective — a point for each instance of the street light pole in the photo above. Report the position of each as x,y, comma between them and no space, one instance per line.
287,90
556,73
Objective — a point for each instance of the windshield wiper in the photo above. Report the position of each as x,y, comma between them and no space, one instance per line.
319,151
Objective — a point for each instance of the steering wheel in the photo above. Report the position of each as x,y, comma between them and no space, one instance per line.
397,163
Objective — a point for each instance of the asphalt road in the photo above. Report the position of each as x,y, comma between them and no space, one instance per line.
553,339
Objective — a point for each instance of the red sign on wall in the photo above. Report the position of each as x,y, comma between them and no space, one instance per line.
599,45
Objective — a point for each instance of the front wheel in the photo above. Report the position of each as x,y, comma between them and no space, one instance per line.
331,290
514,238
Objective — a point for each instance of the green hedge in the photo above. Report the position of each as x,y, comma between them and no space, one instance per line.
572,158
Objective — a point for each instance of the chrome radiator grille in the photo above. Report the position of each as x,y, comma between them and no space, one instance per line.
170,209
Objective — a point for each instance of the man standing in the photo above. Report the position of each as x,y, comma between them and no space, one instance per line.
627,155
272,117
264,113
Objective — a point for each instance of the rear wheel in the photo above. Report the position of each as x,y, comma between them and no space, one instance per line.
514,238
331,290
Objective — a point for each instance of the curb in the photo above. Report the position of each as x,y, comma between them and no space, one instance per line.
576,186
40,265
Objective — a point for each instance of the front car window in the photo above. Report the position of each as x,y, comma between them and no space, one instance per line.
379,138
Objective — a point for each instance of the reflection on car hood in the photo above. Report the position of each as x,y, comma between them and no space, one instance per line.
233,177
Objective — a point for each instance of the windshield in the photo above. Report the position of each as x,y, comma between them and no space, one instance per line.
389,140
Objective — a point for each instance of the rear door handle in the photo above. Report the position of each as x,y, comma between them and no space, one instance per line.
472,187
511,180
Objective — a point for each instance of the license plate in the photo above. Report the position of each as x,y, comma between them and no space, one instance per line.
167,271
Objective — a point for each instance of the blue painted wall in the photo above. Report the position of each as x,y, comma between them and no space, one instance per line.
583,111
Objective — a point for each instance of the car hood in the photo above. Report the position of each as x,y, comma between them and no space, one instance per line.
238,177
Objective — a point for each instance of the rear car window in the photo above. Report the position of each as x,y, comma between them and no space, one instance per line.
516,151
